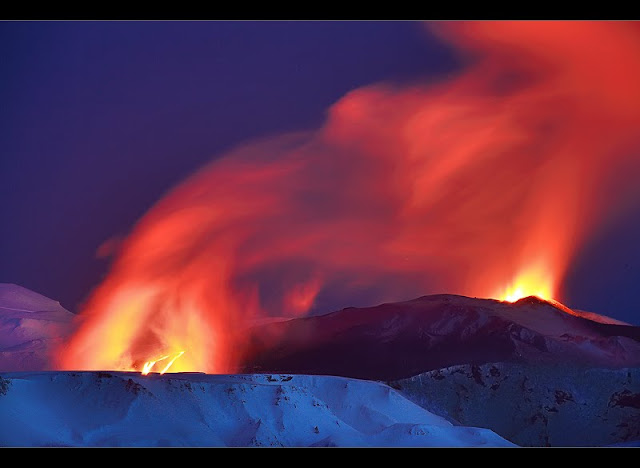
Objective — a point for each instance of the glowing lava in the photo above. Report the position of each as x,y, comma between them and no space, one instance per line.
149,365
532,282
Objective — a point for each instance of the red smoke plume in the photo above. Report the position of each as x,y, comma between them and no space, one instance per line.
483,185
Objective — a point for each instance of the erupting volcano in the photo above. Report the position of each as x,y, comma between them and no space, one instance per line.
485,184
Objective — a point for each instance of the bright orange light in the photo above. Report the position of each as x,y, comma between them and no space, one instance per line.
531,282
166,368
146,368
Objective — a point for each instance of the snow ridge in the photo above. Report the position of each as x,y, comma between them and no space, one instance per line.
126,409
545,405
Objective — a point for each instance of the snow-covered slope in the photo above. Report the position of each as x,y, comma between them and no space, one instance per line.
31,325
398,340
535,405
125,409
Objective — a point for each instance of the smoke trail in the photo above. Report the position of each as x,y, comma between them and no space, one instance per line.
480,185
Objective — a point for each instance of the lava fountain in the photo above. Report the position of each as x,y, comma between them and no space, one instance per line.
484,184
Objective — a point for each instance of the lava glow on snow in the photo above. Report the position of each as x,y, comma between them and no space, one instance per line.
484,184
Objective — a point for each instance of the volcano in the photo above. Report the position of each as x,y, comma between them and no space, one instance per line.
501,176
385,342
446,354
399,340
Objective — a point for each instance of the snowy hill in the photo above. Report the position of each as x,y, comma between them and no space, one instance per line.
125,409
532,371
31,325
398,340
536,405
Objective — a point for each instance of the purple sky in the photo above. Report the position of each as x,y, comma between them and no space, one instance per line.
99,119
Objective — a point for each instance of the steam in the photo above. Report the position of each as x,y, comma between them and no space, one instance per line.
469,186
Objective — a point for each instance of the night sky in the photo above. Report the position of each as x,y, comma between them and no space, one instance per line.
100,119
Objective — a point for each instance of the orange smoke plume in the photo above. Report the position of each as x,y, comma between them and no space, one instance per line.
484,185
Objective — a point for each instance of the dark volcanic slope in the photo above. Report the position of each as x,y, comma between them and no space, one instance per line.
398,340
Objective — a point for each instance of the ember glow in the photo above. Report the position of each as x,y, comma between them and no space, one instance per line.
168,362
485,184
533,282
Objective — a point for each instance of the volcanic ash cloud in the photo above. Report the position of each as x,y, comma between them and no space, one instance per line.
484,184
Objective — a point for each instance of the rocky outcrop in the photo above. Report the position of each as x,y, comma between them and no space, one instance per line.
535,405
